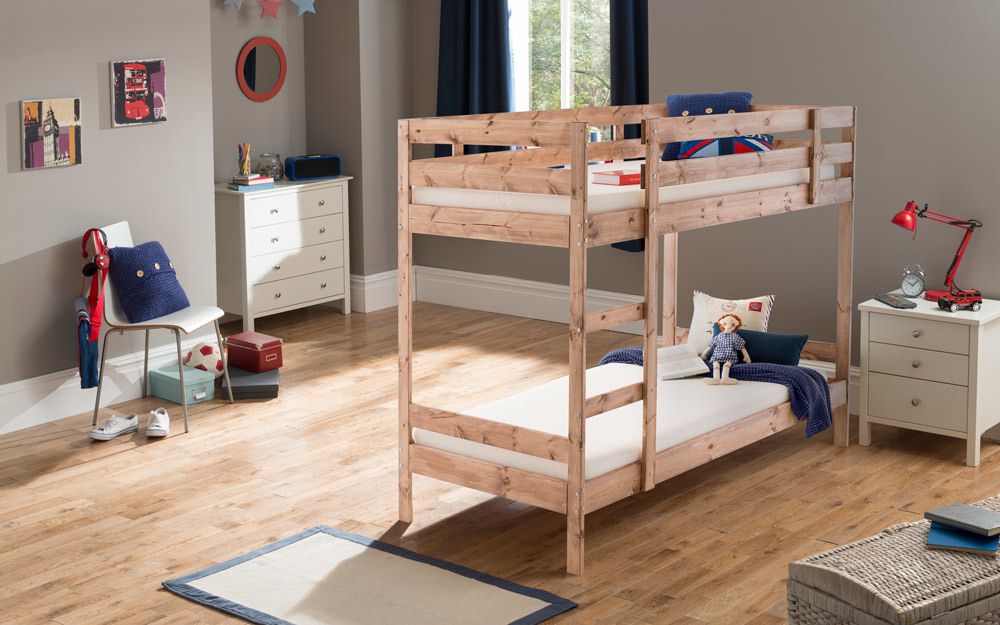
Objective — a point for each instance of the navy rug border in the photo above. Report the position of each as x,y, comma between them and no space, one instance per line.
181,586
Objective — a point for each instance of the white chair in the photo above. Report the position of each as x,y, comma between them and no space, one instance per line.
186,320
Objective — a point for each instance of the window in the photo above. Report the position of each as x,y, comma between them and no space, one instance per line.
561,52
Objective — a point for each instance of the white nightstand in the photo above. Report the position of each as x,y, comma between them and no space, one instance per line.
930,370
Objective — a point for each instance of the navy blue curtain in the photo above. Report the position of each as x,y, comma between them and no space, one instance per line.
630,68
474,66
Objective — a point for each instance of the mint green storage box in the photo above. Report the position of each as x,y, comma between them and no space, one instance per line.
165,382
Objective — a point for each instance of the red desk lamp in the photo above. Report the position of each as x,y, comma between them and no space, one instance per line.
954,298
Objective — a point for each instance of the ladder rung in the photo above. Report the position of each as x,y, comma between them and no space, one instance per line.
612,317
617,398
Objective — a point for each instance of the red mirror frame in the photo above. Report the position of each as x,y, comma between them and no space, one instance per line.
241,62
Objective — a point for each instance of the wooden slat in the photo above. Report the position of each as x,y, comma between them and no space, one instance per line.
430,173
815,154
404,312
503,435
613,317
765,121
838,153
717,167
515,484
595,116
614,486
576,470
650,289
478,132
616,226
605,402
693,214
548,157
727,439
490,225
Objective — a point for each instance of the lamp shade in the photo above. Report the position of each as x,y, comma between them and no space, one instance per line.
907,218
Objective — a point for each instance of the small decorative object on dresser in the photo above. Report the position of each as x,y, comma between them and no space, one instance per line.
270,166
282,248
914,281
926,369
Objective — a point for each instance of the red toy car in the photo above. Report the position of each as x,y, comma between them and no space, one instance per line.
960,298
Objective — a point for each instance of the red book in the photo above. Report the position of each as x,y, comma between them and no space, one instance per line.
617,177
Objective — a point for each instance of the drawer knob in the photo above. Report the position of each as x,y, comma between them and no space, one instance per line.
277,295
322,202
278,268
322,285
322,258
322,230
274,239
274,211
914,402
915,364
916,334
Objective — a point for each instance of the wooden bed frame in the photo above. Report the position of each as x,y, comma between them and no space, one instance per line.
559,137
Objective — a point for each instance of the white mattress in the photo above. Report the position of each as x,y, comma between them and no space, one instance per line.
603,198
685,409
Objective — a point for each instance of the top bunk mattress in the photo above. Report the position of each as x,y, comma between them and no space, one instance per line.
685,409
603,198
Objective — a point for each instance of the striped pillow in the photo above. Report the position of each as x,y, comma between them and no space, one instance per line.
724,147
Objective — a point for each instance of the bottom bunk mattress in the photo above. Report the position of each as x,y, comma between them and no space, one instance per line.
686,409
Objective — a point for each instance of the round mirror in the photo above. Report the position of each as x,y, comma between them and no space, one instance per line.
260,69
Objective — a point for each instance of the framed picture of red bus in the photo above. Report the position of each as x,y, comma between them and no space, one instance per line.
138,92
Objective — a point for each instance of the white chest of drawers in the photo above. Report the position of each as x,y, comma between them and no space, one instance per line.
930,370
282,248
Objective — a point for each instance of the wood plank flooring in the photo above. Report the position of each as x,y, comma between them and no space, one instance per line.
89,530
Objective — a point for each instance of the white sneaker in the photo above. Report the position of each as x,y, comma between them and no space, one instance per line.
115,426
159,424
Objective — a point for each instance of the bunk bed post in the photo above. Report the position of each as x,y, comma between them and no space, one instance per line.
845,256
650,289
404,247
575,502
669,290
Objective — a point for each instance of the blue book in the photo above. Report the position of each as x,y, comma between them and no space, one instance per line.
953,539
243,188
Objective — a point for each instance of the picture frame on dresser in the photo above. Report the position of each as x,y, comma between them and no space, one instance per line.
282,248
927,369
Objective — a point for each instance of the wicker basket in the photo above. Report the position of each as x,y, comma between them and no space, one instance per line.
893,579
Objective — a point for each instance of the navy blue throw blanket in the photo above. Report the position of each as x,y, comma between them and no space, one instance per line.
807,388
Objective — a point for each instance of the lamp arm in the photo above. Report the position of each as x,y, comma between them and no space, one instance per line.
949,279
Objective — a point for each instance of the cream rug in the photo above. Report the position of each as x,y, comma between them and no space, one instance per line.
324,576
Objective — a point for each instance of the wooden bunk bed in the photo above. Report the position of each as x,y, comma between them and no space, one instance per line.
481,196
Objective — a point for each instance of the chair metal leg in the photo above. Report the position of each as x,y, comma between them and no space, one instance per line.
225,360
145,368
100,375
180,370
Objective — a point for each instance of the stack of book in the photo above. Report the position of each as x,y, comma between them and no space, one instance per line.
965,528
253,182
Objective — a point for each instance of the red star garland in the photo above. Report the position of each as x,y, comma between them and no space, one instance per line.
269,8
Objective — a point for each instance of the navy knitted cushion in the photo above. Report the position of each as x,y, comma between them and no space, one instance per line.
684,104
778,349
145,281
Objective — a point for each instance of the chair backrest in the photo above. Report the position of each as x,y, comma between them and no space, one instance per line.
119,235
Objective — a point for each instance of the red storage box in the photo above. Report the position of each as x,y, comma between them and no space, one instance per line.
254,351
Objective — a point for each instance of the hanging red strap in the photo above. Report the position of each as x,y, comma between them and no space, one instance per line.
95,299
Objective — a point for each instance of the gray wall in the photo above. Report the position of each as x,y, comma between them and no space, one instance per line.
924,76
278,125
356,118
159,176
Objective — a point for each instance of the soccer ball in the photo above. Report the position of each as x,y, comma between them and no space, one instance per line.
206,357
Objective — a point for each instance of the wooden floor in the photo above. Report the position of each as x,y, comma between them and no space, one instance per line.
89,530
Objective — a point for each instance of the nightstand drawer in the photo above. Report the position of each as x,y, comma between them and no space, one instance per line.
937,335
919,363
292,291
919,402
280,265
296,234
278,209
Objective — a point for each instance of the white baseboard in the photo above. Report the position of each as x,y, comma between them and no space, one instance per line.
373,292
58,395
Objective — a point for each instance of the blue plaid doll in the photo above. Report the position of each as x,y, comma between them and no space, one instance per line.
725,348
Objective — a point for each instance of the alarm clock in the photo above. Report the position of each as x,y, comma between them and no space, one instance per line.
913,281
